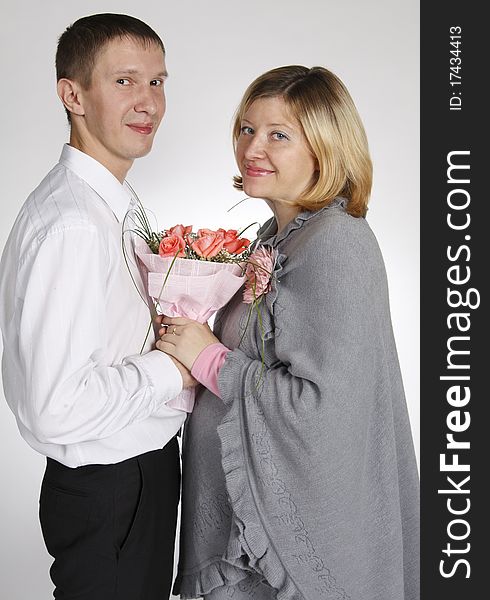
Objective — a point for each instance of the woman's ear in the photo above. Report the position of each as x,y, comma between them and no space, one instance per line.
69,94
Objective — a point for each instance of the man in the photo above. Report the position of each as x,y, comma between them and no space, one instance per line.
73,324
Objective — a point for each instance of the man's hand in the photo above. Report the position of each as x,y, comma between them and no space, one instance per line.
188,380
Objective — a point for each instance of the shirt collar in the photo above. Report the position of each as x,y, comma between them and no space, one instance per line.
116,195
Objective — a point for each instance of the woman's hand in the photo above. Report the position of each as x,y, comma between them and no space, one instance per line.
184,339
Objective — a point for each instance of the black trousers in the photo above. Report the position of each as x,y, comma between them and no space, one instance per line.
111,528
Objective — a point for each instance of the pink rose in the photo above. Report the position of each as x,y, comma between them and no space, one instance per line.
258,274
180,230
233,244
171,245
208,244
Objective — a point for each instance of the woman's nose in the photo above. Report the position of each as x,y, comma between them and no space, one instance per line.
255,147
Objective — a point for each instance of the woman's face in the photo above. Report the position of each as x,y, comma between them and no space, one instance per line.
272,153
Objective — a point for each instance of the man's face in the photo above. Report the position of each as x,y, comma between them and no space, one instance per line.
123,106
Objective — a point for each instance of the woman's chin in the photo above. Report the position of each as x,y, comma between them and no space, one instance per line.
253,192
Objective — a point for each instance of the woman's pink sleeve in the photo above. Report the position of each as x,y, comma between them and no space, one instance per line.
207,365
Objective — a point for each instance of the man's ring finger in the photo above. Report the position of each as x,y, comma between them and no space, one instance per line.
174,330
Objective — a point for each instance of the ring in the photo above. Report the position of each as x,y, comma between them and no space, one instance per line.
173,331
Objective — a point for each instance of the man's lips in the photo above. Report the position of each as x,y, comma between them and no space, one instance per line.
253,171
143,128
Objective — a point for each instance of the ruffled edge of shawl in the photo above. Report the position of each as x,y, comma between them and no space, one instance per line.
216,574
269,237
249,547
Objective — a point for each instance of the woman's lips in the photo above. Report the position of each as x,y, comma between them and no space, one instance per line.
257,172
142,128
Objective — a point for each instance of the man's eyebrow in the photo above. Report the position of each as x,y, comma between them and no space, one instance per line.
131,71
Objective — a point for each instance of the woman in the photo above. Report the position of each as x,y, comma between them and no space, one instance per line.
300,479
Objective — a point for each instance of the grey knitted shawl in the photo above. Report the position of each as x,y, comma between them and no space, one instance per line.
305,472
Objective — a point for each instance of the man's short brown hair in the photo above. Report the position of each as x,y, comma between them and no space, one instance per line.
82,41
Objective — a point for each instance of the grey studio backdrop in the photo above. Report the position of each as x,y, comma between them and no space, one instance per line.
215,48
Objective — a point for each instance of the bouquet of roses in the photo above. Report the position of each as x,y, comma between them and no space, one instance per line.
193,274
189,274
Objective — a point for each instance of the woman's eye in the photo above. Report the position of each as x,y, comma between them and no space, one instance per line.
246,130
277,135
122,81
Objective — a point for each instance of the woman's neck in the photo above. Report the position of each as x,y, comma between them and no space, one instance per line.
284,213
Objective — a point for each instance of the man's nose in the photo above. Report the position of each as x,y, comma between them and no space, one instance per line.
146,101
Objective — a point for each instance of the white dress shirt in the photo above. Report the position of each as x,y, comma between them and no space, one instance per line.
73,325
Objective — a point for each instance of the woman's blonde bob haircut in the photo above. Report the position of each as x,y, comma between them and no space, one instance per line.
320,102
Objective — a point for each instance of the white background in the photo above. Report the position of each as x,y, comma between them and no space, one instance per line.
214,50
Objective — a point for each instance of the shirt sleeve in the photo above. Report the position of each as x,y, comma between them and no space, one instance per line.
207,366
73,392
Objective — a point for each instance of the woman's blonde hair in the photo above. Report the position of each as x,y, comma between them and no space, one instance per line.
320,102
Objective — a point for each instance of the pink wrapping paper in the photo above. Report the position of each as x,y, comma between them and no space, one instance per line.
195,289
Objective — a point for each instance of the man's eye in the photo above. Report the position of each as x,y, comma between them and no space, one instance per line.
122,81
156,82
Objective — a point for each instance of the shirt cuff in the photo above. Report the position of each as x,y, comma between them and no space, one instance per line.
163,375
207,366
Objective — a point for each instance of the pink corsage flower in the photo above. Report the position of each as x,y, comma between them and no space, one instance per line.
258,274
